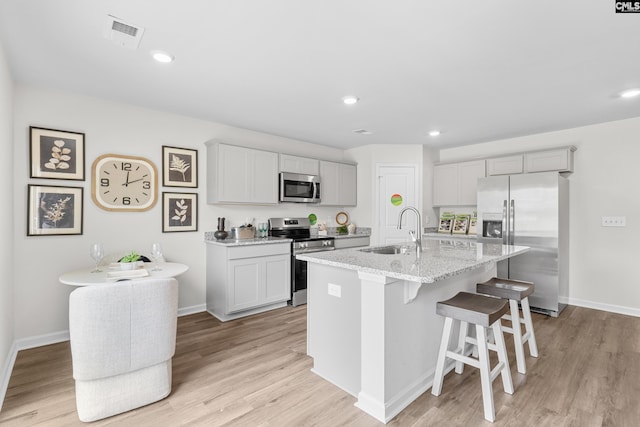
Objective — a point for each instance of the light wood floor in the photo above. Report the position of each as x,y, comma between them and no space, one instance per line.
254,372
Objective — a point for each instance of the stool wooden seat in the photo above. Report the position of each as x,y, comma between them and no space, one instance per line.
484,312
516,291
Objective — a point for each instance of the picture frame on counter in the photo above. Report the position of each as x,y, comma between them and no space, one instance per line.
179,167
54,210
56,154
179,212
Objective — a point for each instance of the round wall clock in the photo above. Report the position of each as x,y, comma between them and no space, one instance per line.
124,183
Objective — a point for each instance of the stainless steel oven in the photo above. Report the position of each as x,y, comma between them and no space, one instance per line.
298,229
299,188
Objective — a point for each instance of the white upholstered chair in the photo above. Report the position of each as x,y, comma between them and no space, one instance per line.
123,338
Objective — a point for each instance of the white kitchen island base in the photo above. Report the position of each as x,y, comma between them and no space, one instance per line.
372,344
377,336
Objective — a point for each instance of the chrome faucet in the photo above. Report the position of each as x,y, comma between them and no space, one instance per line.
415,236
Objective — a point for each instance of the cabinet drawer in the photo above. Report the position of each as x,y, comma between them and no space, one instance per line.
351,242
251,251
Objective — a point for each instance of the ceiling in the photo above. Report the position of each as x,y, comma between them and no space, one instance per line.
476,70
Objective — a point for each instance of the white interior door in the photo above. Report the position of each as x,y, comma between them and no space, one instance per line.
397,189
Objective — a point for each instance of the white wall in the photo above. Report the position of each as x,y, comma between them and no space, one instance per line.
367,158
40,300
605,183
6,226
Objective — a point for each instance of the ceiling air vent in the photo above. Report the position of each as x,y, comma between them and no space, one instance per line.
362,132
122,33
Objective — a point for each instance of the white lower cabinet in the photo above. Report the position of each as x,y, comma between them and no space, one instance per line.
248,279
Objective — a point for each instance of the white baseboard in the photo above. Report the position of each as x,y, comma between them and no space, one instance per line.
5,374
40,340
185,311
629,311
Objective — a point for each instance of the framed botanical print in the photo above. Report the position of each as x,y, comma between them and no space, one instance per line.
179,167
54,210
179,212
56,154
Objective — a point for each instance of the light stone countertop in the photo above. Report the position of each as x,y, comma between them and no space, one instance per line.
441,259
209,239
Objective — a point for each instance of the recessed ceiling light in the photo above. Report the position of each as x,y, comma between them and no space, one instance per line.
350,99
162,56
631,93
434,133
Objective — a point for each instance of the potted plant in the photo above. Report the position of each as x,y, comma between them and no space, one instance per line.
129,261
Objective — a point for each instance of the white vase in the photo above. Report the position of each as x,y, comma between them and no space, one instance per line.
128,265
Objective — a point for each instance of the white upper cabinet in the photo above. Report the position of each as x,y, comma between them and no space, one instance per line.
456,184
560,160
505,165
302,165
338,184
241,175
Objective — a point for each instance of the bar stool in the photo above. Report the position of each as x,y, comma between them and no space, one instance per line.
484,312
516,291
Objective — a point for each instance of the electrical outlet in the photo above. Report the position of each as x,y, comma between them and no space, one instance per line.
335,290
614,221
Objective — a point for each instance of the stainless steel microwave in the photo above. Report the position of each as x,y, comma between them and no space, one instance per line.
299,188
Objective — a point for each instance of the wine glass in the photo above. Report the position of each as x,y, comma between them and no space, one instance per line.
97,253
156,254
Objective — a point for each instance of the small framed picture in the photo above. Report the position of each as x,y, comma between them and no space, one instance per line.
54,210
56,154
179,167
179,212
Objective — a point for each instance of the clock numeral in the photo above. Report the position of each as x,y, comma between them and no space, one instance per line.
146,185
104,182
126,166
126,200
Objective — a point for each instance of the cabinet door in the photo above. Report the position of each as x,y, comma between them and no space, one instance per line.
347,189
552,160
505,165
277,278
468,174
338,184
445,185
243,290
329,183
263,177
232,169
297,164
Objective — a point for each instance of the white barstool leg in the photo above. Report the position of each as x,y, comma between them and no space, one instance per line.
438,376
517,336
485,374
528,326
503,359
462,343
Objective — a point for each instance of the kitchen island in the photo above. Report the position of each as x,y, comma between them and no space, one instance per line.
372,327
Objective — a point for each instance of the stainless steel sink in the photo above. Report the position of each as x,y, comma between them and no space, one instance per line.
388,250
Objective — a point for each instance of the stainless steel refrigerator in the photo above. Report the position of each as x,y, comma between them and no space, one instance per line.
530,210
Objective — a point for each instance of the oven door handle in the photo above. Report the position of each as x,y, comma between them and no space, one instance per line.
308,251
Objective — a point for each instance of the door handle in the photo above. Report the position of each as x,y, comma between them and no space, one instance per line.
504,223
512,222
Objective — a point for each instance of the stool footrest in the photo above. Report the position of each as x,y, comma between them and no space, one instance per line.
462,358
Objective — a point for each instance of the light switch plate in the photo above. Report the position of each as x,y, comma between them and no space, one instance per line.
614,221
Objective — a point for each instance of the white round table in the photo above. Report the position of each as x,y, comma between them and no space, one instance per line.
85,277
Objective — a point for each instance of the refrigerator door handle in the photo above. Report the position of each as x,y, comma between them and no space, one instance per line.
505,240
512,222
